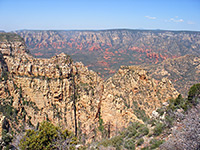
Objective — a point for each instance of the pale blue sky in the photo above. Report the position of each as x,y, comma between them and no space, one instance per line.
99,14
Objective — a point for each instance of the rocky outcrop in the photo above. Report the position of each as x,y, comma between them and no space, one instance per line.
48,83
183,72
43,89
47,89
2,120
131,95
12,44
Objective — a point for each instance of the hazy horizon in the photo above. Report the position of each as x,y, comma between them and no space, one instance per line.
106,29
176,15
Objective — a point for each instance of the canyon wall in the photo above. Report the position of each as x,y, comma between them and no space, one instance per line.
37,89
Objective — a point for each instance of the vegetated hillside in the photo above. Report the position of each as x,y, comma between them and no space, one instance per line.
186,134
183,72
175,125
106,50
8,37
68,94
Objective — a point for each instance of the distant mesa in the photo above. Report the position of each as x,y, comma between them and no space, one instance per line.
116,47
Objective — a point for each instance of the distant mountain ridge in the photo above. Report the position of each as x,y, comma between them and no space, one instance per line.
106,50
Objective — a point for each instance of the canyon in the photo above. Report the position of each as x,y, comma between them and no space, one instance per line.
104,51
39,89
68,94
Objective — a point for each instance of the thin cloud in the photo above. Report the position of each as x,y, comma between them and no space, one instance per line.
176,20
150,17
190,22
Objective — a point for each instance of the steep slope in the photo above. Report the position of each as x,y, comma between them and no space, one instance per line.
43,89
175,125
186,134
131,95
105,51
57,89
183,72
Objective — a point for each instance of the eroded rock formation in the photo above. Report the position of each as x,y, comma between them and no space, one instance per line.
46,89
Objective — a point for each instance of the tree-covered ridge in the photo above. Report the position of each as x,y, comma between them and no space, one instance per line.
10,37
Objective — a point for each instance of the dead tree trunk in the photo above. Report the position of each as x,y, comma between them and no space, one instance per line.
74,103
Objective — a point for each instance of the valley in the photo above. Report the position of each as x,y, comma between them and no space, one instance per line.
104,51
66,93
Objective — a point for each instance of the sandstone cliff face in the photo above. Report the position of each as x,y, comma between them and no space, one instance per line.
12,47
131,95
43,89
48,84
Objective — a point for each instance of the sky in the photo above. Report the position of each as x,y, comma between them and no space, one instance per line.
99,14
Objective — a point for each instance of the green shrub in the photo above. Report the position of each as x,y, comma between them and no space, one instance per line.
155,143
6,137
178,103
140,113
143,130
178,100
185,105
57,67
4,75
8,111
194,94
160,111
136,125
47,136
116,142
140,141
152,122
158,129
171,105
129,144
145,148
101,127
132,133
